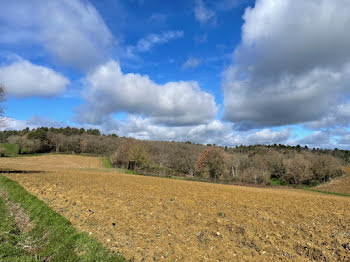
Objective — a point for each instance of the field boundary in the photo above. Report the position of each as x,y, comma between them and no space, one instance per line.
52,237
326,192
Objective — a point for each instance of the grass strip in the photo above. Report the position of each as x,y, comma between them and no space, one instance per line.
51,237
326,192
106,162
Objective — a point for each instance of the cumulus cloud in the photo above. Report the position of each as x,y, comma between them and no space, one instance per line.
24,79
147,43
12,124
213,132
287,70
267,136
202,13
144,128
33,122
109,90
191,62
71,30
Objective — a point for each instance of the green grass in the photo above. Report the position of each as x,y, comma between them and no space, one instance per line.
277,182
325,192
106,162
124,171
11,149
52,238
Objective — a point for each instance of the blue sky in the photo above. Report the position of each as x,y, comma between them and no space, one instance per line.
228,72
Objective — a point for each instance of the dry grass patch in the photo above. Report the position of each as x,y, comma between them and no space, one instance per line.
340,185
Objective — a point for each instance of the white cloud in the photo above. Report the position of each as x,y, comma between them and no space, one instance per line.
202,13
12,124
23,79
147,43
213,132
71,30
266,136
191,62
109,90
33,122
287,70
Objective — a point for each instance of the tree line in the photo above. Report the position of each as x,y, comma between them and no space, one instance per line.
257,164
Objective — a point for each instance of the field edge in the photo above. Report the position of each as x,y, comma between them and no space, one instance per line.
62,240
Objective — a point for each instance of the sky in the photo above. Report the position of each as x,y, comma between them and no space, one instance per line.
224,72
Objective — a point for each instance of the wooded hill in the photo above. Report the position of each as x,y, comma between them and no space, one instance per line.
258,164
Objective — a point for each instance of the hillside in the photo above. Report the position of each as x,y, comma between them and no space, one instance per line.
340,185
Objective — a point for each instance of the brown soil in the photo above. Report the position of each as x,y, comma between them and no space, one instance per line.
50,162
148,218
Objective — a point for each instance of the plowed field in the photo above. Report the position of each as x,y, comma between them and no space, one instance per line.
148,218
50,162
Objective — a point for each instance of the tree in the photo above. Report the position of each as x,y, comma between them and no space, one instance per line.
130,154
298,170
212,163
139,154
